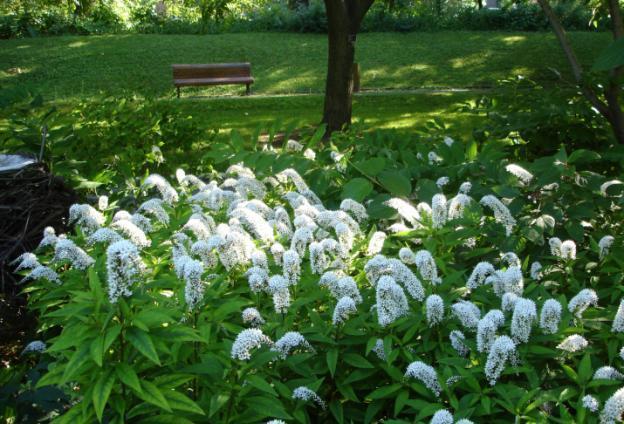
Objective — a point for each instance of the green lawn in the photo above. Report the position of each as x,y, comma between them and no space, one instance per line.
63,68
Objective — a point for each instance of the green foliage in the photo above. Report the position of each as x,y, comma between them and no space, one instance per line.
149,355
525,113
108,142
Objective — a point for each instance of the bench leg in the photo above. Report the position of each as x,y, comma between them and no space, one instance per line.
248,91
178,90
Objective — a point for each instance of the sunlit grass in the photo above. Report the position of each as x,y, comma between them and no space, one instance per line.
70,68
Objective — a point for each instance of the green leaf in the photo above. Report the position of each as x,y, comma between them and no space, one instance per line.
143,343
371,167
332,359
384,392
611,57
126,374
267,406
97,349
585,369
101,392
182,403
261,384
400,401
356,360
583,156
396,183
151,394
357,189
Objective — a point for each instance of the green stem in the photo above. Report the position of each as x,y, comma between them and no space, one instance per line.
195,360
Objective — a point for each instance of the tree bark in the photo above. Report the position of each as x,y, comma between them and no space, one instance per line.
343,18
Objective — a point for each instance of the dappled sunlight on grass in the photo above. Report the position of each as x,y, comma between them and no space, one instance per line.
66,67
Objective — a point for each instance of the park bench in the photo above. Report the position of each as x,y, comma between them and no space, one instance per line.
212,74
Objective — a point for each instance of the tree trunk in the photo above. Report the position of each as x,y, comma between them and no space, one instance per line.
480,4
610,109
343,19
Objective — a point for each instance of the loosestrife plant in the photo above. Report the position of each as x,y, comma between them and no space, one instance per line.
252,297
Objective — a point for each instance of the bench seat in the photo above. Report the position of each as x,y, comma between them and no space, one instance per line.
188,75
212,81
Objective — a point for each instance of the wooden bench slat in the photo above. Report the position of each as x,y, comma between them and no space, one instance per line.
211,74
212,81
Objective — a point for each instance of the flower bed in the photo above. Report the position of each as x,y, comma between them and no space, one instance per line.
238,298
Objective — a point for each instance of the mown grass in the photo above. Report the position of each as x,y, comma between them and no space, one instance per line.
63,68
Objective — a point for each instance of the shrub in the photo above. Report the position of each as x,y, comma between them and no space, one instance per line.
521,324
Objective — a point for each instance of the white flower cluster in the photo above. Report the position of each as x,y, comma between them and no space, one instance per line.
246,341
289,342
86,217
613,408
501,212
434,310
550,316
252,317
519,172
591,403
305,394
487,328
563,250
426,374
583,300
573,343
66,250
524,315
36,346
344,308
502,351
124,268
604,245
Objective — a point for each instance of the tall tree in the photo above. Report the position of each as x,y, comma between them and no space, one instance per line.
607,102
343,20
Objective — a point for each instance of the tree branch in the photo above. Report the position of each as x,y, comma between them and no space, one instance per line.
577,69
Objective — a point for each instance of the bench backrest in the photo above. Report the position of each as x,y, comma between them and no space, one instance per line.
213,70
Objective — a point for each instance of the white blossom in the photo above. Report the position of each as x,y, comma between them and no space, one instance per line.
103,235
206,252
479,274
550,316
134,233
302,237
465,187
501,351
427,267
292,175
277,250
86,217
252,317
26,260
124,268
305,394
379,266
583,300
391,301
434,310
278,287
433,158
568,250
102,203
442,417
608,373
604,245
49,238
309,154
344,308
194,287
43,272
519,172
246,341
405,210
167,192
448,141
591,403
618,321
155,208
524,315
536,271
291,265
375,245
501,212
66,250
439,211
508,301
573,343
442,181
457,205
486,329
426,374
379,350
407,256
289,342
613,408
458,342
356,209
36,346
294,145
555,246
467,313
